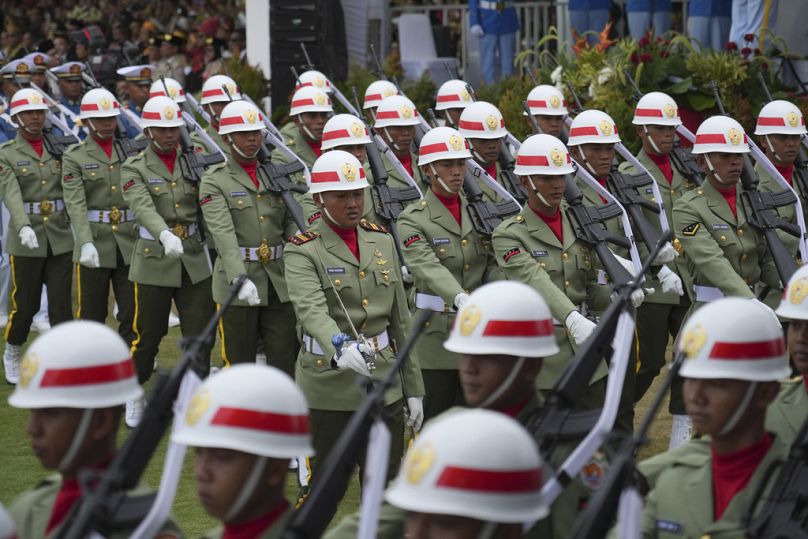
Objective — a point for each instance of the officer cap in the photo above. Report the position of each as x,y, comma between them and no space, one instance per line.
139,74
68,70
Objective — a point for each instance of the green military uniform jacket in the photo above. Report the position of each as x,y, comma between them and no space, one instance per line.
318,266
238,214
615,226
681,502
564,274
446,258
32,509
721,250
28,178
785,416
295,142
92,181
787,213
273,532
161,201
395,179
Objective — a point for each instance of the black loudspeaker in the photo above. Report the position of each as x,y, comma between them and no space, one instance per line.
320,26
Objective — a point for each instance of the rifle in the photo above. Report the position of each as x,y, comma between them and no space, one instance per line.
331,481
105,506
761,210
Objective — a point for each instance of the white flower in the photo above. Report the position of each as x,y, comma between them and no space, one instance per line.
604,75
555,76
591,90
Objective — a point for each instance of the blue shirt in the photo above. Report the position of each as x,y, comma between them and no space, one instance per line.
710,8
75,108
656,6
590,5
493,21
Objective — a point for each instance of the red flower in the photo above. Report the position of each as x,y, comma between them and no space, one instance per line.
731,46
634,58
645,58
664,54
746,51
764,67
643,42
749,37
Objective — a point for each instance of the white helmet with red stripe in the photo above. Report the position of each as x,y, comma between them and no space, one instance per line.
546,100
720,134
504,317
344,130
310,99
99,103
77,364
240,116
794,304
337,170
733,338
161,111
396,110
377,91
780,117
213,90
545,155
442,143
453,94
174,88
472,463
252,408
482,120
314,78
593,127
27,99
656,108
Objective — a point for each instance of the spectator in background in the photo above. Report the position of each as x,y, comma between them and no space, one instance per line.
496,24
752,18
589,15
709,22
237,46
214,65
646,14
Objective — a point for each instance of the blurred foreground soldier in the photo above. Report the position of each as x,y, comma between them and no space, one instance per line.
375,93
549,108
245,423
342,275
249,225
74,379
396,118
484,127
39,238
169,261
451,100
102,222
213,100
734,356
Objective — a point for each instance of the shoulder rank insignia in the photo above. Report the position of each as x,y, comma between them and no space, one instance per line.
303,237
372,226
690,230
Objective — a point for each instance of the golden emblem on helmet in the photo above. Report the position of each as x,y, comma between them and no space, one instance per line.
469,318
669,110
464,95
357,129
36,99
555,101
419,462
22,68
172,92
455,143
168,112
28,368
557,157
199,404
605,128
231,89
388,92
798,291
349,171
734,136
320,99
105,103
491,122
319,82
406,112
792,119
250,116
693,341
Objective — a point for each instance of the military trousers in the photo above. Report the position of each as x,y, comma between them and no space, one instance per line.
152,307
28,274
93,295
243,328
443,391
656,323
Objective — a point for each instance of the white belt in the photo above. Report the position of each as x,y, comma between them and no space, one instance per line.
706,294
378,343
113,216
177,230
431,302
492,5
263,253
45,207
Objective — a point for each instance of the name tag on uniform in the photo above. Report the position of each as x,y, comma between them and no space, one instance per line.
155,181
669,526
649,190
238,194
91,166
720,226
440,241
537,254
335,271
23,163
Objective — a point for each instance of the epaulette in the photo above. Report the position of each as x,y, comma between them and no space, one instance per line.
289,142
516,219
217,166
417,207
6,143
303,237
372,226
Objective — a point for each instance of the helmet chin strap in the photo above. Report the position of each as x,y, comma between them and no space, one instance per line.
156,144
392,142
449,121
538,194
477,155
212,114
771,148
587,164
505,385
305,129
440,180
732,422
24,127
488,530
247,489
78,437
712,170
651,139
238,151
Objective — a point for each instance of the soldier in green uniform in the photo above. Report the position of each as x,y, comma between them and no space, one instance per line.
447,257
74,380
249,225
451,100
213,100
104,225
241,457
549,108
484,127
396,118
169,261
374,94
39,237
345,263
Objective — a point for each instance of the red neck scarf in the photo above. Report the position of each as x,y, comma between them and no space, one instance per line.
105,145
730,198
36,144
168,159
513,411
68,495
452,204
406,162
349,236
315,145
664,164
251,170
731,472
602,182
787,172
554,222
257,527
805,382
491,170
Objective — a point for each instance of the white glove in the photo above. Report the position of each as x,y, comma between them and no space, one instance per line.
670,281
89,255
638,296
406,276
28,238
460,300
666,254
352,358
579,326
477,30
171,243
249,293
768,310
416,416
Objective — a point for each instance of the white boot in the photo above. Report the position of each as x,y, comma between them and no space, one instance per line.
681,431
173,320
261,358
134,412
11,362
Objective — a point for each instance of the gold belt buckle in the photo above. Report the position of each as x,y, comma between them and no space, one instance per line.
45,207
181,231
677,246
115,215
264,253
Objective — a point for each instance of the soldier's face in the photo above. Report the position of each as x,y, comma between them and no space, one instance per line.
712,403
401,135
551,189
71,89
450,171
662,135
139,93
783,149
314,122
487,149
216,108
727,165
550,125
343,208
51,432
33,120
434,526
166,138
39,79
481,375
104,128
357,150
600,156
248,142
798,344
